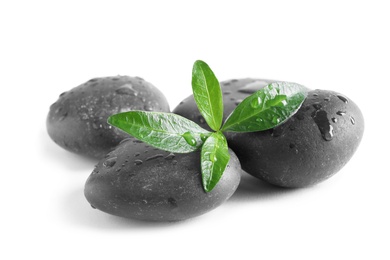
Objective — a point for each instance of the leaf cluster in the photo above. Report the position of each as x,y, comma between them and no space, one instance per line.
264,109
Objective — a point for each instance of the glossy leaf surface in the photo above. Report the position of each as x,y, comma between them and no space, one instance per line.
165,131
266,108
207,94
214,159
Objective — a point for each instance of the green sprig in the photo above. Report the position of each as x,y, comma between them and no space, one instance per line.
264,109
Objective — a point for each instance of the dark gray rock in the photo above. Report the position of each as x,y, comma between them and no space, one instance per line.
141,182
77,121
308,148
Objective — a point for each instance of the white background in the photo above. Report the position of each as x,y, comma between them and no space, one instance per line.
48,47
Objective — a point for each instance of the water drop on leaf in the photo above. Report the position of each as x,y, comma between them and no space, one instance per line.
189,139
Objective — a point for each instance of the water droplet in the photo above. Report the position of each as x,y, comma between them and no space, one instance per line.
317,106
352,120
255,103
275,120
321,119
259,119
126,89
109,162
93,80
154,157
189,138
238,101
125,140
341,113
342,98
148,107
253,86
138,162
63,116
203,137
170,156
213,157
334,120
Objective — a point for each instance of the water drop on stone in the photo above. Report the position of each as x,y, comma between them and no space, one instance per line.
340,113
109,162
189,138
342,98
321,119
63,116
238,101
126,89
170,156
154,157
148,107
138,162
125,140
352,120
334,120
317,106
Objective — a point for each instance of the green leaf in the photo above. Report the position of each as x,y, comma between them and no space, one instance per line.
207,94
214,159
165,131
266,108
